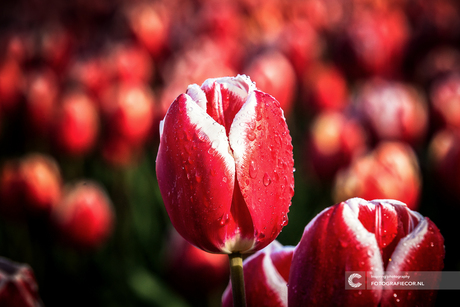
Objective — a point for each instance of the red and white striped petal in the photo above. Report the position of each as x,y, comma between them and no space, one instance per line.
333,243
262,149
421,250
265,285
196,175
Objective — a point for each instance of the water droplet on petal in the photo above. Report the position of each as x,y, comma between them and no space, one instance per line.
252,170
251,136
267,180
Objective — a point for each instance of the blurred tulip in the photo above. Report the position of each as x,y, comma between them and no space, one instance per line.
325,89
192,271
29,186
41,181
129,112
149,21
393,111
225,166
41,94
382,236
84,218
445,100
334,140
18,287
11,81
389,171
373,42
444,154
76,126
132,63
265,70
266,274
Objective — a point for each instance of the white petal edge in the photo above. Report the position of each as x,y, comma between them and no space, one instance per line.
240,85
406,244
197,94
367,239
238,130
210,131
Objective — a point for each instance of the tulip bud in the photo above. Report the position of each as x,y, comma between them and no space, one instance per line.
17,285
41,99
77,124
382,236
41,181
265,70
266,274
390,171
445,99
225,166
393,111
84,218
31,185
335,139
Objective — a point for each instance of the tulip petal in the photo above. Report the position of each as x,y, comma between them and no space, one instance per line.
264,284
421,250
262,149
334,242
196,174
225,97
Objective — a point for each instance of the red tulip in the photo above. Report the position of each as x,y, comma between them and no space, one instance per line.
18,287
77,124
225,166
335,139
84,218
390,171
445,99
357,235
31,185
266,274
393,110
265,70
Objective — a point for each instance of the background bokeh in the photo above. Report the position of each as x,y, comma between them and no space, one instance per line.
370,90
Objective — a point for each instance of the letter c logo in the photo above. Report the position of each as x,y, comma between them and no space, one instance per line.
351,282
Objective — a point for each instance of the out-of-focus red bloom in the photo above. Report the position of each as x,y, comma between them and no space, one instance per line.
266,274
149,21
131,63
18,287
84,218
382,236
389,171
334,140
76,126
265,70
225,166
11,81
373,42
444,154
393,111
445,100
192,271
41,181
29,186
325,89
41,95
129,111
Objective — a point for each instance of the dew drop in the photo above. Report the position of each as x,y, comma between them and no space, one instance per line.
253,169
198,178
224,179
267,180
223,219
251,136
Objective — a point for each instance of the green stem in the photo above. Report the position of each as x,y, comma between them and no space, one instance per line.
237,278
